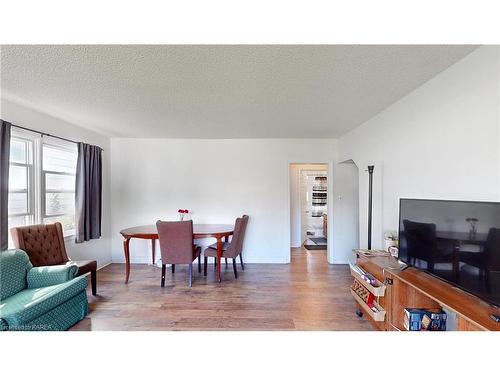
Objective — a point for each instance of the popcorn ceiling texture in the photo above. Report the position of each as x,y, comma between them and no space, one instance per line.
218,91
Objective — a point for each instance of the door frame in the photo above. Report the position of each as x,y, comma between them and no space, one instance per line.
329,201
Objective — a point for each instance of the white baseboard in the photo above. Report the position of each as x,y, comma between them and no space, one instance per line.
105,265
339,262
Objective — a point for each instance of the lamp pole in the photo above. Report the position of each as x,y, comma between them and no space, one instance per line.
370,204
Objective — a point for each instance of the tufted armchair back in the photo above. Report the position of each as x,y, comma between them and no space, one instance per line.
43,243
14,265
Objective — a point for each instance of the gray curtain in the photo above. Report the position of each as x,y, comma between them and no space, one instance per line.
4,182
88,201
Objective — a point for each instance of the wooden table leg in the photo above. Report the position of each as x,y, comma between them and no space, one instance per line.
219,256
126,242
153,250
456,261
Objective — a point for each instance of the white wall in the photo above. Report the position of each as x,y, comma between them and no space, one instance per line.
22,115
345,219
440,141
217,180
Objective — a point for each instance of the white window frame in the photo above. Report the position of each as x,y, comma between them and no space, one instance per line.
57,144
36,176
31,189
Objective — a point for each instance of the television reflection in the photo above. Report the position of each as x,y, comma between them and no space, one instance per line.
456,241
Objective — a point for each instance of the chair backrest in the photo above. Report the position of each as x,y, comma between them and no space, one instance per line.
14,266
492,250
236,246
176,241
420,239
44,243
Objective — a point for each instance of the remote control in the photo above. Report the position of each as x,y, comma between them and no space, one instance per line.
496,318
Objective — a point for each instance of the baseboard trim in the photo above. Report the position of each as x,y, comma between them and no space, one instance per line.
105,265
339,262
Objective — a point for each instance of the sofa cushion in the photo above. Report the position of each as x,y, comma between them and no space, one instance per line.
14,265
59,318
29,304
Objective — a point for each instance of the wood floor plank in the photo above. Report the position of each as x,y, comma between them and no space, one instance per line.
308,294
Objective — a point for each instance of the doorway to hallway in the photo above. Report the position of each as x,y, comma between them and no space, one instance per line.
309,206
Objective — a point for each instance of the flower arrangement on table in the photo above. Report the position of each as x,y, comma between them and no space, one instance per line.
182,213
473,227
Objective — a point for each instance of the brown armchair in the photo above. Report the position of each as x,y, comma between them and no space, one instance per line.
44,244
176,245
231,249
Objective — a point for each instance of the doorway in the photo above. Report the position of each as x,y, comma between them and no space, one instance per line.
309,207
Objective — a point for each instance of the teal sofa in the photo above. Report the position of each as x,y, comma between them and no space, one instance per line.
47,298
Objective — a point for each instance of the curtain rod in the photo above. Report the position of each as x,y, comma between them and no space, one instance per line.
46,134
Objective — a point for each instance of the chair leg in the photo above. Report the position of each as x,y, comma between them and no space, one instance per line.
215,264
234,268
163,269
205,265
241,261
226,261
199,263
190,275
93,282
173,268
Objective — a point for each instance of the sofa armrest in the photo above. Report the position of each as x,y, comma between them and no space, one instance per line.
39,277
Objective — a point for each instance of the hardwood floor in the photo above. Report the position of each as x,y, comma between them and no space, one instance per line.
308,294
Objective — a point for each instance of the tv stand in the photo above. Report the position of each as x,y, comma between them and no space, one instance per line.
414,288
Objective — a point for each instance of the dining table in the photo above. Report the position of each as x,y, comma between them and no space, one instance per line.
149,232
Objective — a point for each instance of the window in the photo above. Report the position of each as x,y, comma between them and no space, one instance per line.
41,181
21,182
58,185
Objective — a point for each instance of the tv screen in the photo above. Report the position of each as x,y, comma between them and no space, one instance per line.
456,241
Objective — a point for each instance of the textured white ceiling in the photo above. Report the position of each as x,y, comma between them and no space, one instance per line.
210,91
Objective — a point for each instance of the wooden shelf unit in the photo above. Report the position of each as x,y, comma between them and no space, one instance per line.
414,288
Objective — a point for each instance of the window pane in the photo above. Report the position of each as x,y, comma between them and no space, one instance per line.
18,177
18,151
59,203
18,203
67,221
59,182
59,159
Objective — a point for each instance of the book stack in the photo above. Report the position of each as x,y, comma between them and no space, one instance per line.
424,320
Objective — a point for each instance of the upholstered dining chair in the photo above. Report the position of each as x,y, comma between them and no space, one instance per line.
230,249
177,247
44,244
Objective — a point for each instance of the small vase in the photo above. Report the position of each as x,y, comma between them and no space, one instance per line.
181,217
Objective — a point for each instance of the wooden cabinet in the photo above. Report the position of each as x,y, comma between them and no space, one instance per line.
416,289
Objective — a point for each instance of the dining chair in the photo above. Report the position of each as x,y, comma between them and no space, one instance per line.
177,247
44,244
230,249
487,260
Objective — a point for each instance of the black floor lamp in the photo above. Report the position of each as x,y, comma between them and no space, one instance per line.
370,204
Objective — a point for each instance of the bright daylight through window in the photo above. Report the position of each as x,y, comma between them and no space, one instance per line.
42,181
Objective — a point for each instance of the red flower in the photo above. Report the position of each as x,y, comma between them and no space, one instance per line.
186,211
181,211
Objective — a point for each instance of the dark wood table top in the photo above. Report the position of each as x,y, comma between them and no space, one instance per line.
199,230
464,237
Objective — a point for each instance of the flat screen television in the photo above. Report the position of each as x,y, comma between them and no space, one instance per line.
457,241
